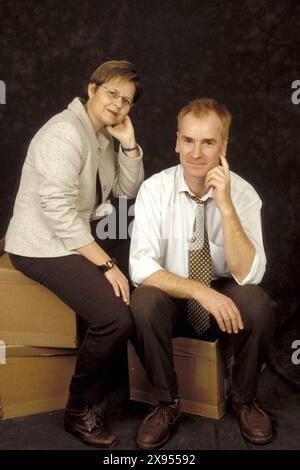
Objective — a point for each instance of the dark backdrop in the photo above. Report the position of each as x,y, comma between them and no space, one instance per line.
243,52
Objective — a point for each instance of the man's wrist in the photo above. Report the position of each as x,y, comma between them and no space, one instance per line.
197,290
194,287
227,210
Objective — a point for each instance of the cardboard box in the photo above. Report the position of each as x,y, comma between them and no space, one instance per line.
34,380
204,375
31,314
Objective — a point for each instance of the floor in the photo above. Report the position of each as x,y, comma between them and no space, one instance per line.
278,393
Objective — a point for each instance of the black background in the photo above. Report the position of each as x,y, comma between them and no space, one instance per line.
244,53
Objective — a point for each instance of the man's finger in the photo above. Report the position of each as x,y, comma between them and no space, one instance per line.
217,173
220,322
215,179
226,319
225,165
234,321
238,315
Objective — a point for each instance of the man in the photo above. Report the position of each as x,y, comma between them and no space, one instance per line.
197,256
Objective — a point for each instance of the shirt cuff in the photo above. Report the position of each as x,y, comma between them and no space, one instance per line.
255,274
143,269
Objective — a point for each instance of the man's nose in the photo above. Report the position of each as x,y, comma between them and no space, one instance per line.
197,151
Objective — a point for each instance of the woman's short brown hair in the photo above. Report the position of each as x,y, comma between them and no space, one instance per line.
202,107
117,68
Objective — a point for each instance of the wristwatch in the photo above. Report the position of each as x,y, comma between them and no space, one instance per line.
108,265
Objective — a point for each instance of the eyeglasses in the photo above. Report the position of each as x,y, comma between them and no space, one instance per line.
115,95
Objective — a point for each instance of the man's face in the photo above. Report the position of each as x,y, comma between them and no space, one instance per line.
110,102
200,144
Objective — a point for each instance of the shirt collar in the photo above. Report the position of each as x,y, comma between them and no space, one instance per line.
100,140
183,186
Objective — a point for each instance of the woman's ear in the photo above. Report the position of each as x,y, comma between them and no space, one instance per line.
91,89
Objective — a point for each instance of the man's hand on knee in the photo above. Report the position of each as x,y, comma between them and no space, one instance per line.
221,307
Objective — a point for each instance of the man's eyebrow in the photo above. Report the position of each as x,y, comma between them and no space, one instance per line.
186,137
209,140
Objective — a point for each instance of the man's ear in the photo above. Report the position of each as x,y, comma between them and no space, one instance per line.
177,142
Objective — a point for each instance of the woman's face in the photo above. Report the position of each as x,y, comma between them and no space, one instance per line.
110,102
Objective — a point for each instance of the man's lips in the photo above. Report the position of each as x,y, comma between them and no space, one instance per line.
197,164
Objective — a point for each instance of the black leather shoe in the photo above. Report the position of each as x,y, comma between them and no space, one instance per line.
156,426
87,426
255,424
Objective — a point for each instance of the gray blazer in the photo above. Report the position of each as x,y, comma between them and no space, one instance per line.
57,192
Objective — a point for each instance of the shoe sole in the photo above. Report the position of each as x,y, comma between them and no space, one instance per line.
78,435
258,440
154,446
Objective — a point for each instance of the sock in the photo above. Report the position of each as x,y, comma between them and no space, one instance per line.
173,403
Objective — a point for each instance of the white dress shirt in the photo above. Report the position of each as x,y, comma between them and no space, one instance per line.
163,227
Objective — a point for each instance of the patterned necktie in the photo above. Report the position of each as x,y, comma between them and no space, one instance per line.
200,267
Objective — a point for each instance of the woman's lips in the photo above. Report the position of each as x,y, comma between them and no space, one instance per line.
112,112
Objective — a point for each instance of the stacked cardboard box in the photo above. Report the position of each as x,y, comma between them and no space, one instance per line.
204,376
38,343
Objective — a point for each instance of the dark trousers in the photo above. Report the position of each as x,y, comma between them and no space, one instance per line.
79,283
158,318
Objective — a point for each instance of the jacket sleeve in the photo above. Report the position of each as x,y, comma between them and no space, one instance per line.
59,160
129,175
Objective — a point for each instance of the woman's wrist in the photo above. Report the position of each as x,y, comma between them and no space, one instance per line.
129,149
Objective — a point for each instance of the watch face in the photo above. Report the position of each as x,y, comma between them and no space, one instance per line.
108,265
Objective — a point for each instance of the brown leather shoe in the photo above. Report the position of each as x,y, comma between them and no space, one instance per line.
155,428
87,426
255,424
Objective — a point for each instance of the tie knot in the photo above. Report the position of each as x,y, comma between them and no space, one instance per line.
194,198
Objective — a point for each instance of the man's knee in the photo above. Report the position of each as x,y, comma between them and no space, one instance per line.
146,303
256,307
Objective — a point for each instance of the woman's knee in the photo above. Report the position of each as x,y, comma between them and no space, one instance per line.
117,322
124,323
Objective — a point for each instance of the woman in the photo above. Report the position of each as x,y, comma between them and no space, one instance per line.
49,237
